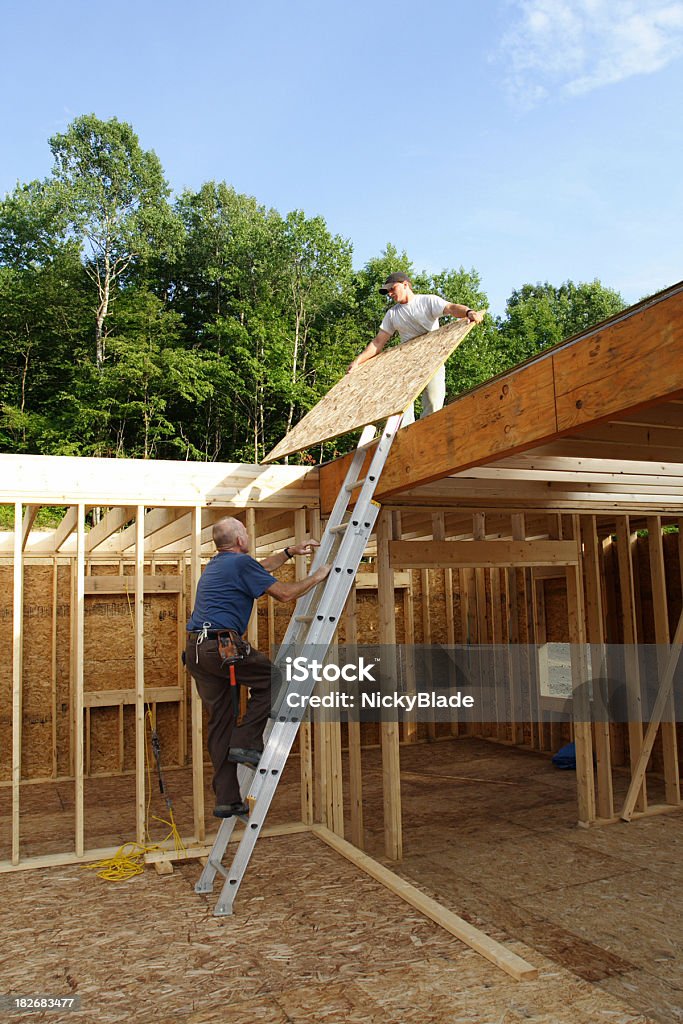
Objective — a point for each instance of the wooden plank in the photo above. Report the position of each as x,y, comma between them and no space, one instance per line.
665,689
252,628
354,734
620,367
79,649
67,526
529,679
126,584
628,607
114,520
389,731
378,389
181,670
425,608
140,673
67,480
481,553
369,581
596,638
28,521
17,673
53,665
583,740
197,738
409,723
493,951
500,662
305,729
661,616
118,698
156,519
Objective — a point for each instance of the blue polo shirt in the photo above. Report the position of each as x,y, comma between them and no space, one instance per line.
226,591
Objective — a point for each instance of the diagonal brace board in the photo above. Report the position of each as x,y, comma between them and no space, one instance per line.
665,691
376,390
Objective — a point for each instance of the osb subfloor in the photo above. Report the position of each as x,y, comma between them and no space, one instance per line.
489,831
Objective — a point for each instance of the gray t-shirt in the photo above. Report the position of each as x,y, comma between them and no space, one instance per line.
419,315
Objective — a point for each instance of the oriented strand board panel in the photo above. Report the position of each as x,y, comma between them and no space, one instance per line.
378,389
510,413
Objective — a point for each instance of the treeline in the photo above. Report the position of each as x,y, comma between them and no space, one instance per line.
202,327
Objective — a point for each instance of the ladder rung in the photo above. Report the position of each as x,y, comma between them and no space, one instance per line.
303,618
358,483
216,864
338,529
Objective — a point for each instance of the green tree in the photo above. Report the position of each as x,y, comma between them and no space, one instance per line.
540,315
115,199
43,305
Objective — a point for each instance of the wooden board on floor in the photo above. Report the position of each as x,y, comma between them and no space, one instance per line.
378,389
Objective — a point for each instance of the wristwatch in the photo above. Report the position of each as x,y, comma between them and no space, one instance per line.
287,553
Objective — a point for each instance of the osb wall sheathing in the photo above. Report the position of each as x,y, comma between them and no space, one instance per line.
108,665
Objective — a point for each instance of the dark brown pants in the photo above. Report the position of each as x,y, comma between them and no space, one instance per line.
213,686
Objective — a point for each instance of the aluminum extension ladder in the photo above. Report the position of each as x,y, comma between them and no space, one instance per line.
313,624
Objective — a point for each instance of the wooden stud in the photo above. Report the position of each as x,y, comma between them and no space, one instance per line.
628,606
17,661
389,731
197,738
661,616
542,669
140,674
500,661
354,734
53,664
427,639
79,618
514,641
596,639
483,625
583,742
305,730
181,670
409,722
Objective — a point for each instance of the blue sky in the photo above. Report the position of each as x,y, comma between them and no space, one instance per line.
529,139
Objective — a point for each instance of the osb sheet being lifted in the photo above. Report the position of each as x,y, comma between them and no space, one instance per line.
383,386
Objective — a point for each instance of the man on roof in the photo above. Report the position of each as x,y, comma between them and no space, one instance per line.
412,315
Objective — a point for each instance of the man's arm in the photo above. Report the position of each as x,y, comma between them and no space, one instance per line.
273,562
292,591
475,316
371,350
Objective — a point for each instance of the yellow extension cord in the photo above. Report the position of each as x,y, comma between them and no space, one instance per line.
129,859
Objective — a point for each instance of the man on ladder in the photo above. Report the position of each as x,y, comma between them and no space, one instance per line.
220,660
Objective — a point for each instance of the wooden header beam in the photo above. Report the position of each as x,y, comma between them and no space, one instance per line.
609,372
68,480
462,554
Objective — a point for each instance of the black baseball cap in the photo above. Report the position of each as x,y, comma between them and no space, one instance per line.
396,278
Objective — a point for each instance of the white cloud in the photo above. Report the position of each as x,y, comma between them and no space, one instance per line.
574,46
